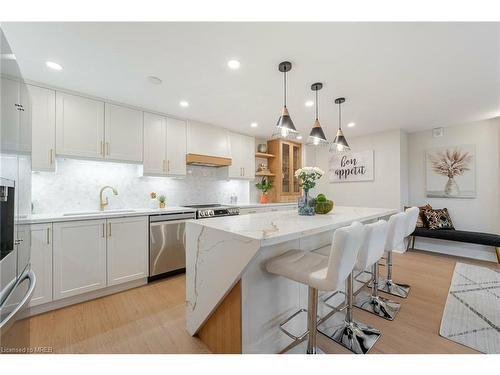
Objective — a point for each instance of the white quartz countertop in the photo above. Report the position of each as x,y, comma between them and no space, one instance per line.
278,226
89,215
262,205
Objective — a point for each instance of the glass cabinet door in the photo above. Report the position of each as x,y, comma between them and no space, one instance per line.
285,168
295,150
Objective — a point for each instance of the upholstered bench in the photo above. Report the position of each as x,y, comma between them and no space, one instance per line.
487,239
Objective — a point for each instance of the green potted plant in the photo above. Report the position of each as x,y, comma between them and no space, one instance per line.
163,200
264,186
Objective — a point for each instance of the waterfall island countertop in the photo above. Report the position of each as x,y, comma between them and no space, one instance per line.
242,244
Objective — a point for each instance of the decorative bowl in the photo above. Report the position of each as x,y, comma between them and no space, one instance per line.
324,207
262,148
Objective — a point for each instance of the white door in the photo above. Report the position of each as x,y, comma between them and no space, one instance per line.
43,114
235,170
79,126
79,263
127,249
155,138
10,114
41,262
123,133
248,156
176,147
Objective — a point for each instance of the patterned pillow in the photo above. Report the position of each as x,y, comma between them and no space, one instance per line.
438,219
421,220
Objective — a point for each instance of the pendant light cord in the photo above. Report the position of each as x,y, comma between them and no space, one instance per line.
316,104
340,117
284,89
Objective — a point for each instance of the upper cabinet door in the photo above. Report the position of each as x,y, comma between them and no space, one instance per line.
235,170
243,156
43,114
155,141
123,131
10,115
204,139
79,126
248,157
176,147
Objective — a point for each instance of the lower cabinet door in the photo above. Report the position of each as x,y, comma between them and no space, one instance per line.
127,254
41,262
79,251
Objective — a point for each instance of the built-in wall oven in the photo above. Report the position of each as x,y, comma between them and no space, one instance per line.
167,243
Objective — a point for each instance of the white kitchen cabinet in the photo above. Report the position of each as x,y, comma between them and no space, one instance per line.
123,130
79,126
79,257
15,112
155,145
127,249
43,114
243,156
204,139
176,147
41,262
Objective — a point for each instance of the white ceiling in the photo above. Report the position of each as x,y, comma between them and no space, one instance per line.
394,75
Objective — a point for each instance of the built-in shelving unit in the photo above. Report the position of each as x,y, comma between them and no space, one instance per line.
263,155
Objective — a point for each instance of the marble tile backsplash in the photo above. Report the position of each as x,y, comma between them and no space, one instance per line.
76,183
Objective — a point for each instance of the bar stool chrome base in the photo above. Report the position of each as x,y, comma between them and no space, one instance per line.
380,306
390,287
355,336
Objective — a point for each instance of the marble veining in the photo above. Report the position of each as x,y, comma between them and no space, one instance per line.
75,186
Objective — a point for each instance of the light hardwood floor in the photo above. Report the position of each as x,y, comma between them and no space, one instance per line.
151,319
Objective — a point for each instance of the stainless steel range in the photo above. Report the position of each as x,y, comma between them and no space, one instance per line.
213,210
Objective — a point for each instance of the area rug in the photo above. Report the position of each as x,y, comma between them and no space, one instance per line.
471,316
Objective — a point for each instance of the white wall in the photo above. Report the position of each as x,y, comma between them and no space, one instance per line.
75,186
386,190
479,214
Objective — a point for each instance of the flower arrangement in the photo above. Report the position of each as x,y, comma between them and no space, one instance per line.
308,176
451,163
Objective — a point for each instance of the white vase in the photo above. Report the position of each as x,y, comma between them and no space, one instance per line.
451,188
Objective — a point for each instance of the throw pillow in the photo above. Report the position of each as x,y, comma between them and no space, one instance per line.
438,219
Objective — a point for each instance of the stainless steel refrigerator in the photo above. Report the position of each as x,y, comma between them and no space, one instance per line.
17,280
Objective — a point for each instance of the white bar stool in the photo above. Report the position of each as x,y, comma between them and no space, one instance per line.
319,272
369,255
395,240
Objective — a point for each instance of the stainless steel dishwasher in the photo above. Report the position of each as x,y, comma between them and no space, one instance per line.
167,243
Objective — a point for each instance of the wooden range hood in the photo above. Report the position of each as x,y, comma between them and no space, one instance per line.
207,161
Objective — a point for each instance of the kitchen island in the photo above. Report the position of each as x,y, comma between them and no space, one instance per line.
233,304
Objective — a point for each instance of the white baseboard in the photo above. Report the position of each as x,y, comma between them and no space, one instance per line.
40,309
461,249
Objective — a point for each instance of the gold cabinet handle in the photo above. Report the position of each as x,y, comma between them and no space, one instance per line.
102,148
168,165
107,148
109,226
48,236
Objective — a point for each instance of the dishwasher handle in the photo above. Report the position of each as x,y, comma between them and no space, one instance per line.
172,217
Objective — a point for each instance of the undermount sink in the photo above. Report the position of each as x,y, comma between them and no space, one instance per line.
83,213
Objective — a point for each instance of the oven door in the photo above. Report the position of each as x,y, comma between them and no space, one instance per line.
14,331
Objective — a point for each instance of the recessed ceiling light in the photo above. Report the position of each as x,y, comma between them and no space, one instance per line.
154,80
183,103
254,124
53,65
299,137
309,103
233,64
351,124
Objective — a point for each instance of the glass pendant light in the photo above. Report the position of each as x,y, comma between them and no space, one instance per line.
340,144
285,127
317,136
